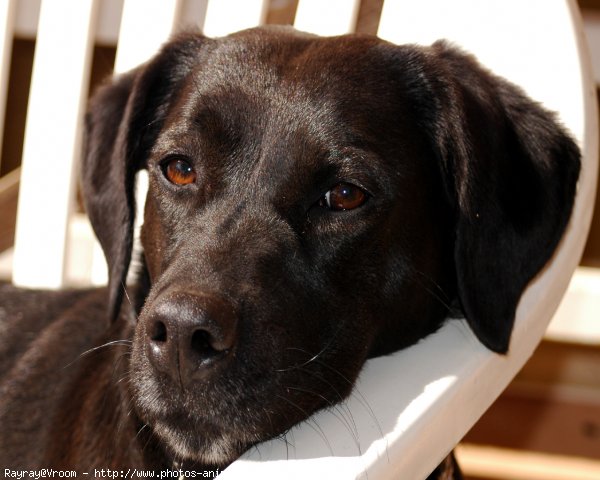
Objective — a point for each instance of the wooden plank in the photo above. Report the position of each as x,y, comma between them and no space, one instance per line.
52,140
506,464
334,17
591,23
577,318
19,83
227,16
7,20
9,192
554,421
552,406
589,4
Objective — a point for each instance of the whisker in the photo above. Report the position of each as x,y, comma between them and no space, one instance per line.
124,343
283,437
340,402
339,328
341,405
112,343
441,296
325,399
309,421
256,448
124,287
123,418
125,376
331,406
150,437
354,393
304,364
360,398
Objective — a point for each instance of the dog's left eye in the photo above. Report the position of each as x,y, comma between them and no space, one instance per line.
344,196
179,172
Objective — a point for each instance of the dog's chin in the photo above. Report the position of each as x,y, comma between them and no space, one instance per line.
191,444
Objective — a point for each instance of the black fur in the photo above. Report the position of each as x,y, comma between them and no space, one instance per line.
256,304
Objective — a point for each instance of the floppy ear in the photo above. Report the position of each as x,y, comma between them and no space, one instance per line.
122,123
511,173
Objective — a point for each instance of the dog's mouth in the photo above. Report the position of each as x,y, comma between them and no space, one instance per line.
205,425
214,422
209,422
201,442
212,430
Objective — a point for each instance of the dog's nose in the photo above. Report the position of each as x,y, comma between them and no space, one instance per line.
188,335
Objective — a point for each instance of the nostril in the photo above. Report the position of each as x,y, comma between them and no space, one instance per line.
202,344
158,332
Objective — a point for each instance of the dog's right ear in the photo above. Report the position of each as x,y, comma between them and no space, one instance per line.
510,171
123,121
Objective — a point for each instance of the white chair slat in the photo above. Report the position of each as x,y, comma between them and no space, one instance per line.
7,20
52,140
227,16
145,26
334,17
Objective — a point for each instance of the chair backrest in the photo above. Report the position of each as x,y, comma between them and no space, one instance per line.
408,409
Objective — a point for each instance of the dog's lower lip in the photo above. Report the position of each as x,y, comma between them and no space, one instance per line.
203,439
190,427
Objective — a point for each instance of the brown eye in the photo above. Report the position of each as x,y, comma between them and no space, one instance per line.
344,196
179,172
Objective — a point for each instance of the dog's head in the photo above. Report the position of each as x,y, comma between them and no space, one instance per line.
312,202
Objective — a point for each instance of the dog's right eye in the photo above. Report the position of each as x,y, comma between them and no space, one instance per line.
344,196
178,171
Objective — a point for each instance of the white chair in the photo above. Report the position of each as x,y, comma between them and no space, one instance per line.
410,409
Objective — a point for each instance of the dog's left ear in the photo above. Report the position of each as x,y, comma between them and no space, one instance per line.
510,171
122,123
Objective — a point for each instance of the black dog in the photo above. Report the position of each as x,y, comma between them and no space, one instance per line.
313,202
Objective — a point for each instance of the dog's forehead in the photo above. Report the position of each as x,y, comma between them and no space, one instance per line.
286,105
278,79
288,56
279,67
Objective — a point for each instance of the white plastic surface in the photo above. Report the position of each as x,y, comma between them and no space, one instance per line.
145,26
52,141
411,408
227,16
333,17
